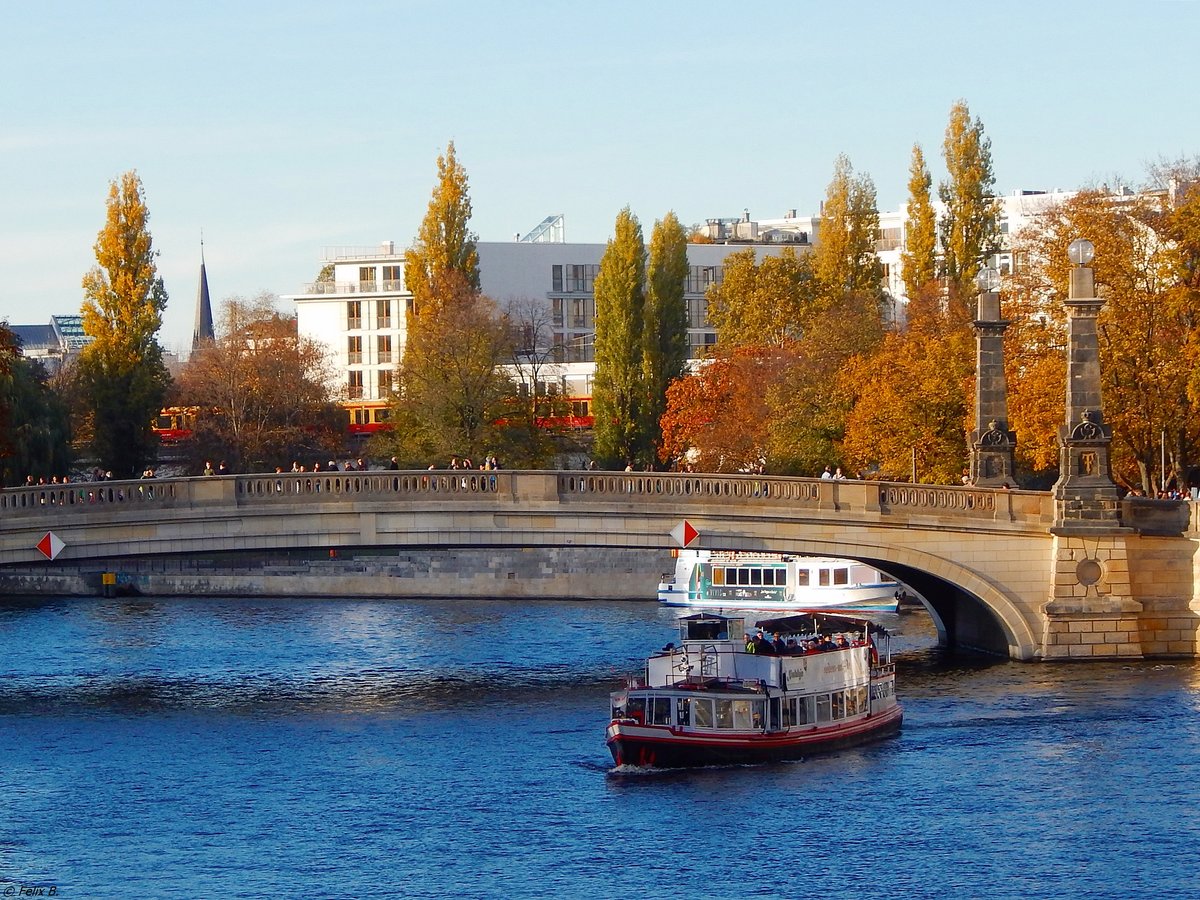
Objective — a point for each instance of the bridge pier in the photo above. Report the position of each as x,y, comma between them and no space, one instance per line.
1092,612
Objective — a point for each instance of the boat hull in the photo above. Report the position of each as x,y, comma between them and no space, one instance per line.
632,744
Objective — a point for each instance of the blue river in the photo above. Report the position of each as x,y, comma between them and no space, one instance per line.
343,748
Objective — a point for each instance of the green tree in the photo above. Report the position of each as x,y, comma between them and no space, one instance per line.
444,259
35,432
262,391
618,393
844,258
762,303
121,370
918,259
969,226
665,344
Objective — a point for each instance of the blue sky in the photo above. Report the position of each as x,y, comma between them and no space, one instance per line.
281,129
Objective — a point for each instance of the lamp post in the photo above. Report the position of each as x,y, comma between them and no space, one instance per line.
1087,498
992,444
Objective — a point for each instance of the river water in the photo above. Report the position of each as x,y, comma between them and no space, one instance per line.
346,748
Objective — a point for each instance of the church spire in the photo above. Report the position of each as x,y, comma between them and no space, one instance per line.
203,331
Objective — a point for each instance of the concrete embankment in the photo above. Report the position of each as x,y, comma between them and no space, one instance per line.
468,572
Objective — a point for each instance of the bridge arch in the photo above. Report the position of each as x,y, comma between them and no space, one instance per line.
970,612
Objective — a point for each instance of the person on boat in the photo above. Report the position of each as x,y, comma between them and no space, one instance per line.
840,642
825,642
763,645
751,646
778,644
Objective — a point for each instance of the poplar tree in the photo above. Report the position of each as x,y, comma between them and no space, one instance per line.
443,259
918,260
121,370
762,303
618,394
844,258
969,227
664,337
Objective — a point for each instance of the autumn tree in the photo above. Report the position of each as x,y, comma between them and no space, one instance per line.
664,334
451,392
811,400
121,370
618,392
969,227
765,302
718,419
914,394
262,392
1148,328
844,259
443,261
918,259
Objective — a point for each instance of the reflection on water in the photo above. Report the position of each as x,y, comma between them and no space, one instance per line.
375,748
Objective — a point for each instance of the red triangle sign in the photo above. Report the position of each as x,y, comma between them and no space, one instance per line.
50,545
684,533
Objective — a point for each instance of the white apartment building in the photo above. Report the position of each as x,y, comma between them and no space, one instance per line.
359,313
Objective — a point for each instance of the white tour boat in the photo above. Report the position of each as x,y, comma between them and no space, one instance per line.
719,698
712,579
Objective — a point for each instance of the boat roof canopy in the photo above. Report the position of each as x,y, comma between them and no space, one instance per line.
709,627
812,623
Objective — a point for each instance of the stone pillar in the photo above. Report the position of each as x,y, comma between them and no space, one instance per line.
992,444
1085,494
1092,613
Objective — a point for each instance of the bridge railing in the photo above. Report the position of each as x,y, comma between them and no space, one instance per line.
813,493
506,488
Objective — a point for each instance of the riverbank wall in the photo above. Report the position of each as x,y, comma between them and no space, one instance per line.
460,572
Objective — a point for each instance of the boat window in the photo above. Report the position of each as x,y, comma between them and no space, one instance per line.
724,713
804,710
775,715
838,704
802,576
743,715
841,576
702,712
776,577
862,699
636,708
822,707
718,575
660,710
823,577
756,576
683,711
743,576
789,712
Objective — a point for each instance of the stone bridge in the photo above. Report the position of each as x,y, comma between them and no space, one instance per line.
994,570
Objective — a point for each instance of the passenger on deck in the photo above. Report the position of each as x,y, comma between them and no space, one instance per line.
750,645
762,645
779,645
826,643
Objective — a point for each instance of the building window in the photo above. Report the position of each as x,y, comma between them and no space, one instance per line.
354,314
356,385
385,348
556,311
393,278
383,313
385,382
366,278
578,312
556,279
354,348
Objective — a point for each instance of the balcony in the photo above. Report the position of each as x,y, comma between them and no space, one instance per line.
388,286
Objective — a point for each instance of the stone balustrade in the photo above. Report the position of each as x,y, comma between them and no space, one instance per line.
506,488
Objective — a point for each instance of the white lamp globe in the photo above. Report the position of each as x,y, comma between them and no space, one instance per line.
1081,251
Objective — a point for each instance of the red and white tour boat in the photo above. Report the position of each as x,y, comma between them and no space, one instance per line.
827,682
